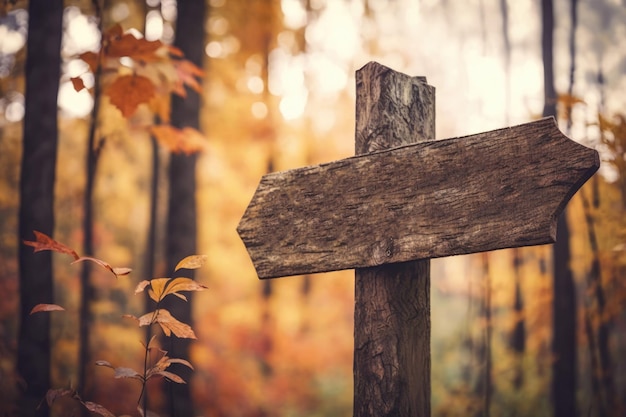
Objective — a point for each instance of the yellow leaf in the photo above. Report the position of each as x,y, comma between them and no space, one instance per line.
158,285
192,262
183,284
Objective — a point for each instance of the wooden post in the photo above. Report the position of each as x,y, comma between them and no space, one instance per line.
387,212
392,302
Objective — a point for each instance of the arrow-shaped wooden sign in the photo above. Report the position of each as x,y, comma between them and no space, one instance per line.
499,189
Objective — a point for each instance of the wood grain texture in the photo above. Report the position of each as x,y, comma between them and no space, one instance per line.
392,302
493,190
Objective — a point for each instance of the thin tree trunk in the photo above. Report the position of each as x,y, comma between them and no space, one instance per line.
181,222
36,211
564,348
88,290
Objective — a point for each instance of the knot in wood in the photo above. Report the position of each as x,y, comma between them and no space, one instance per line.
383,251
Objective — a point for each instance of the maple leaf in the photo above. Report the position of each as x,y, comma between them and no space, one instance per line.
46,307
127,92
45,242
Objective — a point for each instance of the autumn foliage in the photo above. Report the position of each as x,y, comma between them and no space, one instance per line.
137,72
156,361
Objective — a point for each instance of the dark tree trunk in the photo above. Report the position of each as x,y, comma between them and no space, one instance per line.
181,222
36,212
564,348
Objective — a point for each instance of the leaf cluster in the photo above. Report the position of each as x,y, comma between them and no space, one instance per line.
158,289
137,72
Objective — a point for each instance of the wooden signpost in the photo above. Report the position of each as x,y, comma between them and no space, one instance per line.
406,198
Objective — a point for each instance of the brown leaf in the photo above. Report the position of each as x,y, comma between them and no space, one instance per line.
192,262
168,323
122,372
98,409
171,376
54,394
78,83
127,92
45,242
46,307
115,271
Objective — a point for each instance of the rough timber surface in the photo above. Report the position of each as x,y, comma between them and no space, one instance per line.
499,189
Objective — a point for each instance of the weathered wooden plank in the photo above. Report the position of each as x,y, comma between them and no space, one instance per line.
493,190
392,302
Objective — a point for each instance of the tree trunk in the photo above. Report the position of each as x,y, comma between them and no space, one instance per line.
564,348
36,212
181,222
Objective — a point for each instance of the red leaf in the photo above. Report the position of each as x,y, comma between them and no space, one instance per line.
46,307
45,242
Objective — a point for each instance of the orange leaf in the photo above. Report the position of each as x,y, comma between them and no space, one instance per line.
192,262
91,58
127,92
78,83
45,242
187,141
46,307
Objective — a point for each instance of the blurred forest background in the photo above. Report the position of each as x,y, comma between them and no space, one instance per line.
141,180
